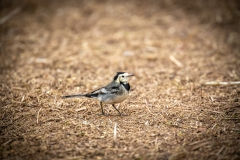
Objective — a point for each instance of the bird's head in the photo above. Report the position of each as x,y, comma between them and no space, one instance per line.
122,77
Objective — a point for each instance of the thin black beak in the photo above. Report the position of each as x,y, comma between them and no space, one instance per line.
129,75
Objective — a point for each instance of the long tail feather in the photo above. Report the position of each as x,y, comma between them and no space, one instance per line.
73,96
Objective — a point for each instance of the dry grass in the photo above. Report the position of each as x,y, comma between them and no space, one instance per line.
54,48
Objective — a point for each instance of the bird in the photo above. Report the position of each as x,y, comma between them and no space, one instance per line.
115,92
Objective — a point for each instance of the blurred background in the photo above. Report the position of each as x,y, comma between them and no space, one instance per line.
50,48
106,35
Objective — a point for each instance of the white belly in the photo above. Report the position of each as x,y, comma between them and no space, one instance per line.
112,98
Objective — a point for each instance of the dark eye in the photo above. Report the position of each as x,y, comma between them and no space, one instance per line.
122,76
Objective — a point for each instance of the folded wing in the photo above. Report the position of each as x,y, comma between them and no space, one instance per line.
109,89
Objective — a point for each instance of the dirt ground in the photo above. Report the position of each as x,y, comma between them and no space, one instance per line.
174,48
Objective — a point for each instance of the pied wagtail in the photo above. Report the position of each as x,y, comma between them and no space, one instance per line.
115,92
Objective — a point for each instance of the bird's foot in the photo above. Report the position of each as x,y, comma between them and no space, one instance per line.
103,114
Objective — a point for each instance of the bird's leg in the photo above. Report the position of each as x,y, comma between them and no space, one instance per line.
102,108
117,109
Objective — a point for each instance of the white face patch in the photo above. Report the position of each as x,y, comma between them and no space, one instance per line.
123,77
